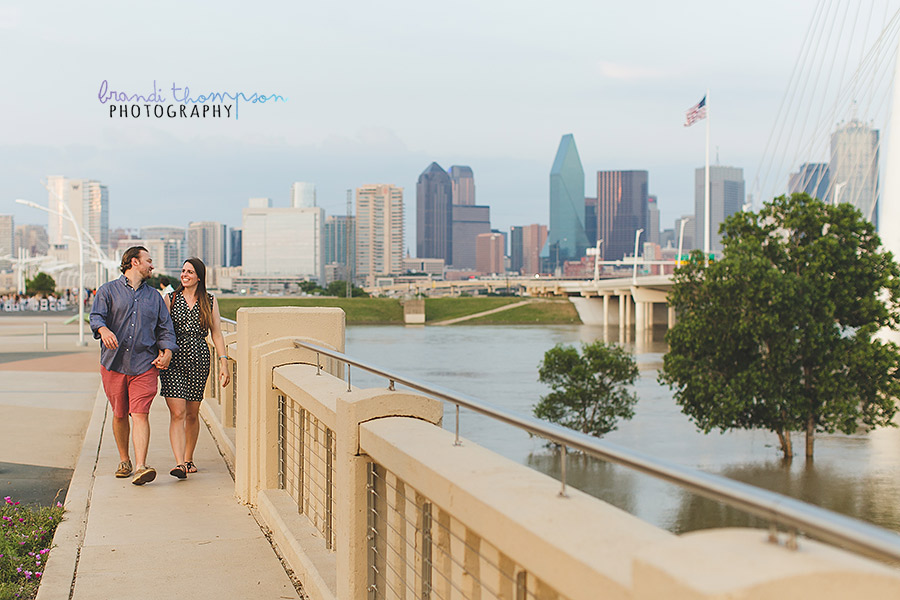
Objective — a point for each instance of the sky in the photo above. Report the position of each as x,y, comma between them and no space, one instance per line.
376,91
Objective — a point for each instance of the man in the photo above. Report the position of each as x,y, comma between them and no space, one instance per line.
165,285
137,338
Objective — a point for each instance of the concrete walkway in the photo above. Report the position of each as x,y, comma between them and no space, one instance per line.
483,313
42,420
167,539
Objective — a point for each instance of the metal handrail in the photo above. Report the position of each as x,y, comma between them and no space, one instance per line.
228,320
778,509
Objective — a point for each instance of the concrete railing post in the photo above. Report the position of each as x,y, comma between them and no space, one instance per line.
351,476
265,341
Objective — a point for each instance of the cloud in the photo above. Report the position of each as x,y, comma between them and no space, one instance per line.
10,17
624,72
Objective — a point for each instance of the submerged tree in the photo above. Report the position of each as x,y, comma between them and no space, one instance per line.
589,389
779,333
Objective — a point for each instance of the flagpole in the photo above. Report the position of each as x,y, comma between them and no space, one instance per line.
706,190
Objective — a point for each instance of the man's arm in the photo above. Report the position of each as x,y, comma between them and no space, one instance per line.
165,336
99,314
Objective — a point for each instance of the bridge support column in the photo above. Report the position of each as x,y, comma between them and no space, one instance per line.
606,310
671,322
640,316
622,300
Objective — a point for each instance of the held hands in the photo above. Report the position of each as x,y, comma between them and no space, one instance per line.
162,361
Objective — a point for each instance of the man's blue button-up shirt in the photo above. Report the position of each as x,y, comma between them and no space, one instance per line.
140,320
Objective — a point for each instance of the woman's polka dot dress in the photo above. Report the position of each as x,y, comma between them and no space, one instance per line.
187,373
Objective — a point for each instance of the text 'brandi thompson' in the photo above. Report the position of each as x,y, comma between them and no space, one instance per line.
212,104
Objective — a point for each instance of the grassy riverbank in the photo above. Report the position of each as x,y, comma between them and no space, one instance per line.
389,311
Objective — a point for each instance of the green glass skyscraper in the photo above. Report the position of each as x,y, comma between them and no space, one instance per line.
567,239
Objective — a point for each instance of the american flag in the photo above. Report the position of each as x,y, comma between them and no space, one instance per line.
695,113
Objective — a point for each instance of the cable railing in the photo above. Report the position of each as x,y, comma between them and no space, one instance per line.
779,510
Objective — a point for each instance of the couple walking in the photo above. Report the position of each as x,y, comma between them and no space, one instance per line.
144,335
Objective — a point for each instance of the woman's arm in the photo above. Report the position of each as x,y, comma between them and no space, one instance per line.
219,342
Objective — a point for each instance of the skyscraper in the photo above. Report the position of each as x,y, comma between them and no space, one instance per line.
854,168
489,253
340,243
303,195
590,220
176,246
88,200
283,241
525,244
566,239
33,238
811,178
379,230
469,221
463,185
726,197
652,219
7,240
621,210
235,242
434,214
206,241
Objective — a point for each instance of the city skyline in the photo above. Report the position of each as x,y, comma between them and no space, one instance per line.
624,102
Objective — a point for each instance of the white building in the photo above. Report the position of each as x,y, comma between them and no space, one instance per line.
175,248
7,240
303,195
853,170
166,255
283,242
379,232
88,201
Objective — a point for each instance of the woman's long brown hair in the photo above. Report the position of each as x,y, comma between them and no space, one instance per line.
206,315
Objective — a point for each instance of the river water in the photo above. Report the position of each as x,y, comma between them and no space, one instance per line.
858,475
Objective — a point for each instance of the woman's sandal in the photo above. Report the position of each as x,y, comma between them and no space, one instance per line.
180,471
190,466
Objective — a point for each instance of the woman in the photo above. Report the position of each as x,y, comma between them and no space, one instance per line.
194,314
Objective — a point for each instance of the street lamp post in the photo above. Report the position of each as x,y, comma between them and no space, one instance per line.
71,218
838,188
595,252
637,237
680,242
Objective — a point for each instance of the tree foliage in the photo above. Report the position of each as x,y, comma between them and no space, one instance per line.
589,389
779,333
42,283
339,288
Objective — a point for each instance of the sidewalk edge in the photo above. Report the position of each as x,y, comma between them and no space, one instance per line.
220,437
58,580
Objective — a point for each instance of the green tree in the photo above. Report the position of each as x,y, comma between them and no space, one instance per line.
589,389
779,333
41,284
310,287
339,288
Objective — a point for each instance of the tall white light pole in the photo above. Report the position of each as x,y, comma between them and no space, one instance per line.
70,217
680,242
637,237
595,252
838,188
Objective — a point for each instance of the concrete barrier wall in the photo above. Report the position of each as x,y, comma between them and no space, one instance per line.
367,496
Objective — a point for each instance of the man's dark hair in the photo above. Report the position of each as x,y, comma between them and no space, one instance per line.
133,252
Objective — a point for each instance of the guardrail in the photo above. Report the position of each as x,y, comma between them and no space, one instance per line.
777,509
